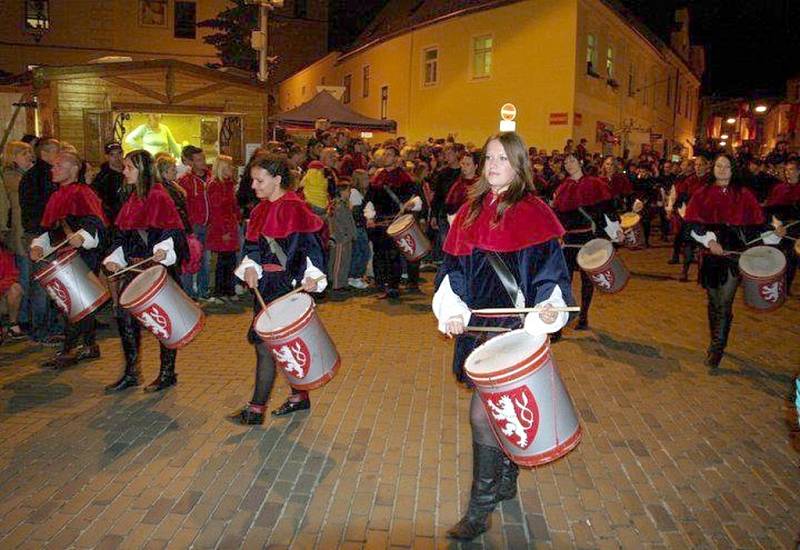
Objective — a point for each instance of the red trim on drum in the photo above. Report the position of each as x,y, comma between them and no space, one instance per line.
60,261
560,450
301,322
187,339
527,367
765,279
157,285
91,308
322,380
406,227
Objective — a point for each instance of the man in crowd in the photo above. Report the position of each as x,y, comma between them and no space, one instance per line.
195,182
108,181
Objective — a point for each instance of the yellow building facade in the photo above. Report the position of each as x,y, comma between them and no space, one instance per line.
452,73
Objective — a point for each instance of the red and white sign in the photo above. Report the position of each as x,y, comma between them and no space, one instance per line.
293,357
559,119
515,415
508,111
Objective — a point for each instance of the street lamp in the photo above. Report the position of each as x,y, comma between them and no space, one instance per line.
761,108
731,120
724,136
723,143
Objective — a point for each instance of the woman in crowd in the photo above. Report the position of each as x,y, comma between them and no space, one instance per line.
282,248
148,224
457,195
223,226
503,223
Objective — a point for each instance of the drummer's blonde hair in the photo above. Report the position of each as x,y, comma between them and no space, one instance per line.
13,148
517,152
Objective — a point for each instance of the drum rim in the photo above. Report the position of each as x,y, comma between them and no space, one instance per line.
529,365
292,327
189,336
747,275
607,262
55,265
149,293
630,215
559,451
409,222
322,380
102,299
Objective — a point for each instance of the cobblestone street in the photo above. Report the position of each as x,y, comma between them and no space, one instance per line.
671,456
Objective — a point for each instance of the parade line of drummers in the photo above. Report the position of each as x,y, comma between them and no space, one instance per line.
506,226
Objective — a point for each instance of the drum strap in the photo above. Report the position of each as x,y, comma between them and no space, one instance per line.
276,249
393,197
507,280
588,217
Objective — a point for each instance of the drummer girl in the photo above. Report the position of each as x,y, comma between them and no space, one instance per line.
585,207
723,216
148,224
502,251
282,247
783,203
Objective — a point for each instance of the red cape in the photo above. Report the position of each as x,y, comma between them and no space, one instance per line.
394,178
713,204
133,214
690,184
74,199
527,223
161,209
223,217
457,195
289,214
620,185
587,191
784,194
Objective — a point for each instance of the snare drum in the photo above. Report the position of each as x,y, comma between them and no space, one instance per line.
301,346
409,238
74,288
763,270
604,267
632,232
524,397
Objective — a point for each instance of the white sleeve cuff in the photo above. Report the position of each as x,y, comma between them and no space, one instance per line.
448,304
770,238
89,241
612,228
416,204
247,262
705,239
450,218
369,211
43,242
117,257
313,273
535,325
167,246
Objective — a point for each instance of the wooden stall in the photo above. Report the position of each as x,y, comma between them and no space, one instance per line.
89,105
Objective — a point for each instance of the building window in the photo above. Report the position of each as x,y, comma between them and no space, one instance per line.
482,56
430,62
303,91
37,15
185,20
610,62
384,102
365,81
347,83
631,81
591,55
300,9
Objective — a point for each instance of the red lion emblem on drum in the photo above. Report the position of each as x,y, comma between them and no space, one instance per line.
156,320
58,292
771,292
407,244
604,279
515,414
293,357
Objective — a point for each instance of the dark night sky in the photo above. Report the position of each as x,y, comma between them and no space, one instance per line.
752,46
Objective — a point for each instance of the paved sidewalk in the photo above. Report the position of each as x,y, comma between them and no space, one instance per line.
671,456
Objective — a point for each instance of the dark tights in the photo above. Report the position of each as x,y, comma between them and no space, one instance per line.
720,312
84,330
482,433
265,376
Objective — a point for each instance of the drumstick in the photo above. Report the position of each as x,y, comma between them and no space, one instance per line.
59,245
300,288
514,310
130,267
487,329
259,298
571,246
787,226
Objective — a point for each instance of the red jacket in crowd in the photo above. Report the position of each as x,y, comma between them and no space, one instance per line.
223,220
9,274
197,201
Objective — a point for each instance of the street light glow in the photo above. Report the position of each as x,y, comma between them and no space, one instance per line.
761,108
724,136
723,143
731,120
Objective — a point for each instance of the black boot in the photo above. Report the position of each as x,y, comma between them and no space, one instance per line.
587,291
507,479
166,375
717,346
483,495
250,415
129,337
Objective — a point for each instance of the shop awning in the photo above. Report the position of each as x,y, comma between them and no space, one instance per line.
324,105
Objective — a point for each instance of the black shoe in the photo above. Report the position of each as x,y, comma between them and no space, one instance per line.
163,381
248,417
507,479
290,407
393,294
127,381
713,359
555,338
483,495
60,360
87,353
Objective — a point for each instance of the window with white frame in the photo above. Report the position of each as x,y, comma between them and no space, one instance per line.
347,82
384,102
591,54
610,62
430,63
482,56
365,81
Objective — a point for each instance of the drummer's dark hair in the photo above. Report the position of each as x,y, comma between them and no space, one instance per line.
143,161
520,186
736,176
276,165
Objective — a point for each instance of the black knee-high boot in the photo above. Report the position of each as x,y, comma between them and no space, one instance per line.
483,496
129,336
166,374
587,291
507,473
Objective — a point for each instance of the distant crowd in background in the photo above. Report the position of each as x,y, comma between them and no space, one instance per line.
334,173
